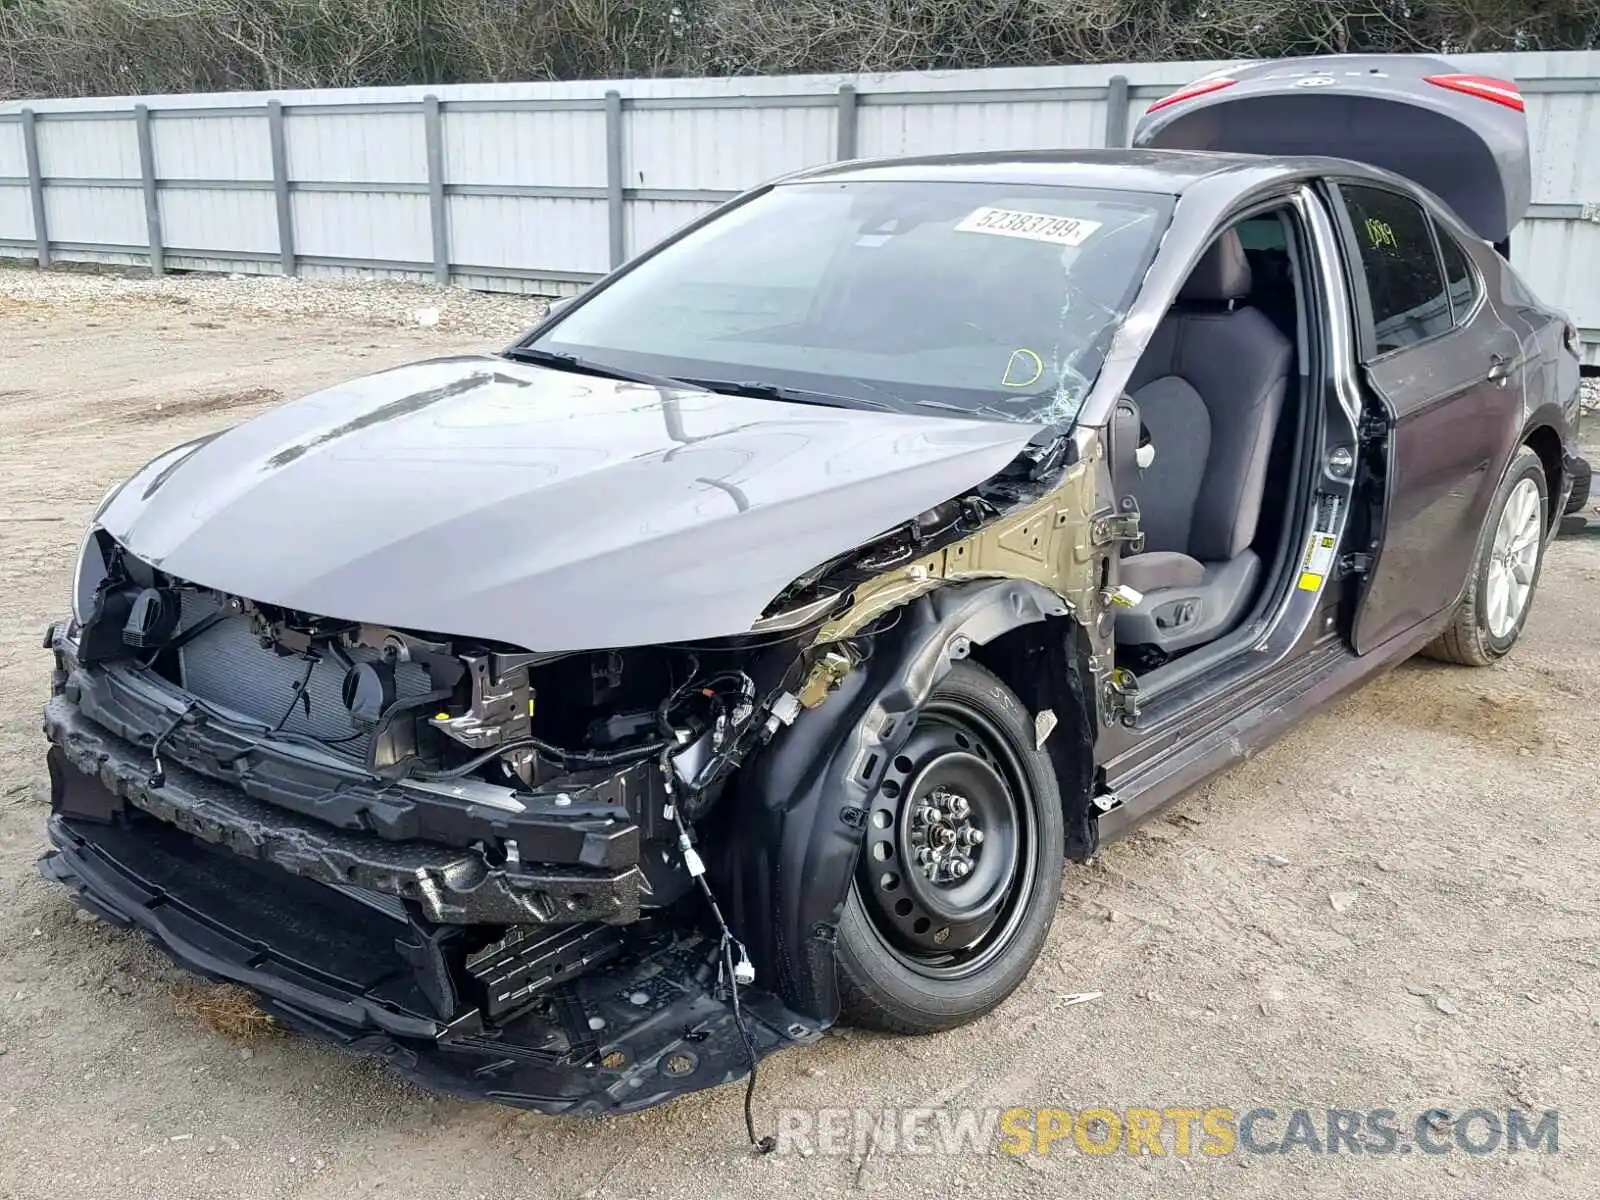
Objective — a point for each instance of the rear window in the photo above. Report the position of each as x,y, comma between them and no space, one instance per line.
1459,276
1405,281
987,299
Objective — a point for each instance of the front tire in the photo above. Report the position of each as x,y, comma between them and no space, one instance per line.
960,867
1505,573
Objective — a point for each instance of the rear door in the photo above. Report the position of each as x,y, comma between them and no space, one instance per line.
1444,376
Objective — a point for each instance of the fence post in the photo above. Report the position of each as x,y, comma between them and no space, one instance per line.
846,123
433,130
1117,112
30,150
280,187
147,175
615,214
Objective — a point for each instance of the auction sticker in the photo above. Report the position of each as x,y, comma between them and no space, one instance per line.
1036,227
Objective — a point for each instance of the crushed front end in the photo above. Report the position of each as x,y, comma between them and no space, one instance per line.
468,859
576,881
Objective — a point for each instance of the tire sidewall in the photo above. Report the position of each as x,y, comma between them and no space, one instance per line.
931,1004
1525,465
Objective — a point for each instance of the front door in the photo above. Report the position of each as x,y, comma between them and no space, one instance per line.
1446,399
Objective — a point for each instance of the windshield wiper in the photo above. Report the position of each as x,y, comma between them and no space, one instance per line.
773,391
584,366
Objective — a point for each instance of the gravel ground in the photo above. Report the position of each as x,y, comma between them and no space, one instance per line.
371,305
1392,907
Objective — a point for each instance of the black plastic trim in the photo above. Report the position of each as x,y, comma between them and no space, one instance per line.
618,1039
449,886
595,825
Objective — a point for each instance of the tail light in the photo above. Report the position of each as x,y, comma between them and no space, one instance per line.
1499,91
1200,87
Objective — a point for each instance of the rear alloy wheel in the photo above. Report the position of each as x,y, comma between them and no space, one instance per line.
1505,573
960,867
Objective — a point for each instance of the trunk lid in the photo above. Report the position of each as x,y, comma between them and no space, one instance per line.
1463,137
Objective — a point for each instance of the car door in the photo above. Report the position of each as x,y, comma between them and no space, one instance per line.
1443,376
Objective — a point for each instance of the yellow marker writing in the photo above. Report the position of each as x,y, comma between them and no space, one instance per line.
1021,361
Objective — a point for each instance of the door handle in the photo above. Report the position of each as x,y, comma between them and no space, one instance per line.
1499,369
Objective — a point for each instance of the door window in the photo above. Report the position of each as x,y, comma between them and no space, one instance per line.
1405,279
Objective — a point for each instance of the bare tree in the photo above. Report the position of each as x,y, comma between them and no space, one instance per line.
79,47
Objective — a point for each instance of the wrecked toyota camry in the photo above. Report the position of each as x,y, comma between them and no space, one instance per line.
746,648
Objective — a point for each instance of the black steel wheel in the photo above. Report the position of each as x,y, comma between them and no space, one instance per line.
960,867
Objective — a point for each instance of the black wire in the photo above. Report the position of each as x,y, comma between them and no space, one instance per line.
585,758
755,642
158,773
763,1145
299,691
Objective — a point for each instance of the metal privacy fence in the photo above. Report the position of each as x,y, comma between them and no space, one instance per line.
543,187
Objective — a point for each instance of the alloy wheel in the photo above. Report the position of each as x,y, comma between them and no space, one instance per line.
1513,558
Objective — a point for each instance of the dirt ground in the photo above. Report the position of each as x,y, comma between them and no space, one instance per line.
1395,906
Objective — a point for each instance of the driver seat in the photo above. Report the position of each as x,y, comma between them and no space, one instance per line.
1210,390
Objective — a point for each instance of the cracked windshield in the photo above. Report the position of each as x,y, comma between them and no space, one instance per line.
992,300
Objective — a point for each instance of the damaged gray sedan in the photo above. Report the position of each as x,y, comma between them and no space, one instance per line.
746,648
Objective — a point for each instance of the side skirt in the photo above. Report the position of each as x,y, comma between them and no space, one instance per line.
1291,694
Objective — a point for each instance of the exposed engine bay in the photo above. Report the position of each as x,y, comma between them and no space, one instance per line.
509,843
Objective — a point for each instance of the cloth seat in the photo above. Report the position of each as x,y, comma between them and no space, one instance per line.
1210,389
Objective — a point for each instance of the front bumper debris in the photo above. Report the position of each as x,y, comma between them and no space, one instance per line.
646,1022
448,884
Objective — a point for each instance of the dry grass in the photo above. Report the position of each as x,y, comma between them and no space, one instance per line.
226,1009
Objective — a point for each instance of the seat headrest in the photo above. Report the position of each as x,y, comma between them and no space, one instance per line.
1223,272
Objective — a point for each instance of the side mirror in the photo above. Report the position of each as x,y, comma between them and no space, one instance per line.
558,304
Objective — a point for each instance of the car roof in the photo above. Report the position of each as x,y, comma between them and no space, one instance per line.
1165,171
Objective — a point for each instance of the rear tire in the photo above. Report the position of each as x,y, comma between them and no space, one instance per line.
941,925
1505,573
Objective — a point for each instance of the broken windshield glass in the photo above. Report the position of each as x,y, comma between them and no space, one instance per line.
982,299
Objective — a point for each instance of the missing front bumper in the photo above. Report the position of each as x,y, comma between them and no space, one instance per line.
455,885
644,1028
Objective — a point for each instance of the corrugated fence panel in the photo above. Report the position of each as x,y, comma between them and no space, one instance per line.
16,206
13,159
108,216
334,148
888,128
219,220
16,215
722,148
526,233
649,221
548,149
88,149
389,226
212,147
359,199
1560,257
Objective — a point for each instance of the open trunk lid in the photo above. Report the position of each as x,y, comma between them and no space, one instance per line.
1463,137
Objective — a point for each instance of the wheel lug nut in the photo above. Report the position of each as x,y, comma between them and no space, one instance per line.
961,868
929,815
924,856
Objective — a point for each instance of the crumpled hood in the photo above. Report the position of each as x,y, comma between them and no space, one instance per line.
481,497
